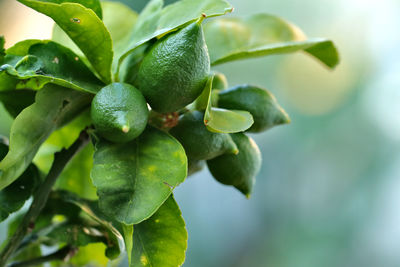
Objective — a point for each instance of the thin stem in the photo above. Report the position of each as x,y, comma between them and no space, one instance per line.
40,198
60,254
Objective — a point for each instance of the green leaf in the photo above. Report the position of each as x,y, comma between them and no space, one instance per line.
85,28
128,239
154,21
13,197
53,107
119,26
48,62
134,179
17,100
230,39
224,120
162,239
22,48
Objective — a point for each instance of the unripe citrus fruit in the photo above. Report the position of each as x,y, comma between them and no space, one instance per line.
219,82
200,143
195,166
119,112
238,170
175,70
259,102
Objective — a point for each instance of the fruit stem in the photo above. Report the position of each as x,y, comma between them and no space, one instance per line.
202,17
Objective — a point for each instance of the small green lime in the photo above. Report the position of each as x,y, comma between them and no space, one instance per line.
238,170
119,112
199,143
175,70
219,82
195,166
258,101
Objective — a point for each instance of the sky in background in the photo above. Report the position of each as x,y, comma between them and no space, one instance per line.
329,189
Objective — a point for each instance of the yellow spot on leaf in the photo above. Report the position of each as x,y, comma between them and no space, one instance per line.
152,168
144,260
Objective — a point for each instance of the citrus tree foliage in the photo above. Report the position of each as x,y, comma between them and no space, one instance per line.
139,91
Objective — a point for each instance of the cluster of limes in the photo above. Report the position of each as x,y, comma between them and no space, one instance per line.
173,73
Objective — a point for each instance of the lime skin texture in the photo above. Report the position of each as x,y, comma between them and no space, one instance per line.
175,70
238,170
119,112
219,82
259,102
200,143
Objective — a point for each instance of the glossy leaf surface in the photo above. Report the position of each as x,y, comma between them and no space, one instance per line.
85,28
224,120
162,239
41,62
135,178
119,26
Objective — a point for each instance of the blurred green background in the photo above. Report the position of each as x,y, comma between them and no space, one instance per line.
329,189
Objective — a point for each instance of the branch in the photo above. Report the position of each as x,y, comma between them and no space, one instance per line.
60,254
40,198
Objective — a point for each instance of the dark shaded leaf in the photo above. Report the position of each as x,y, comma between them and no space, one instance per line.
17,100
13,197
2,50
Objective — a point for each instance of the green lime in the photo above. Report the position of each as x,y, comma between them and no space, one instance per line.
199,143
119,112
175,70
219,82
195,166
258,101
238,170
